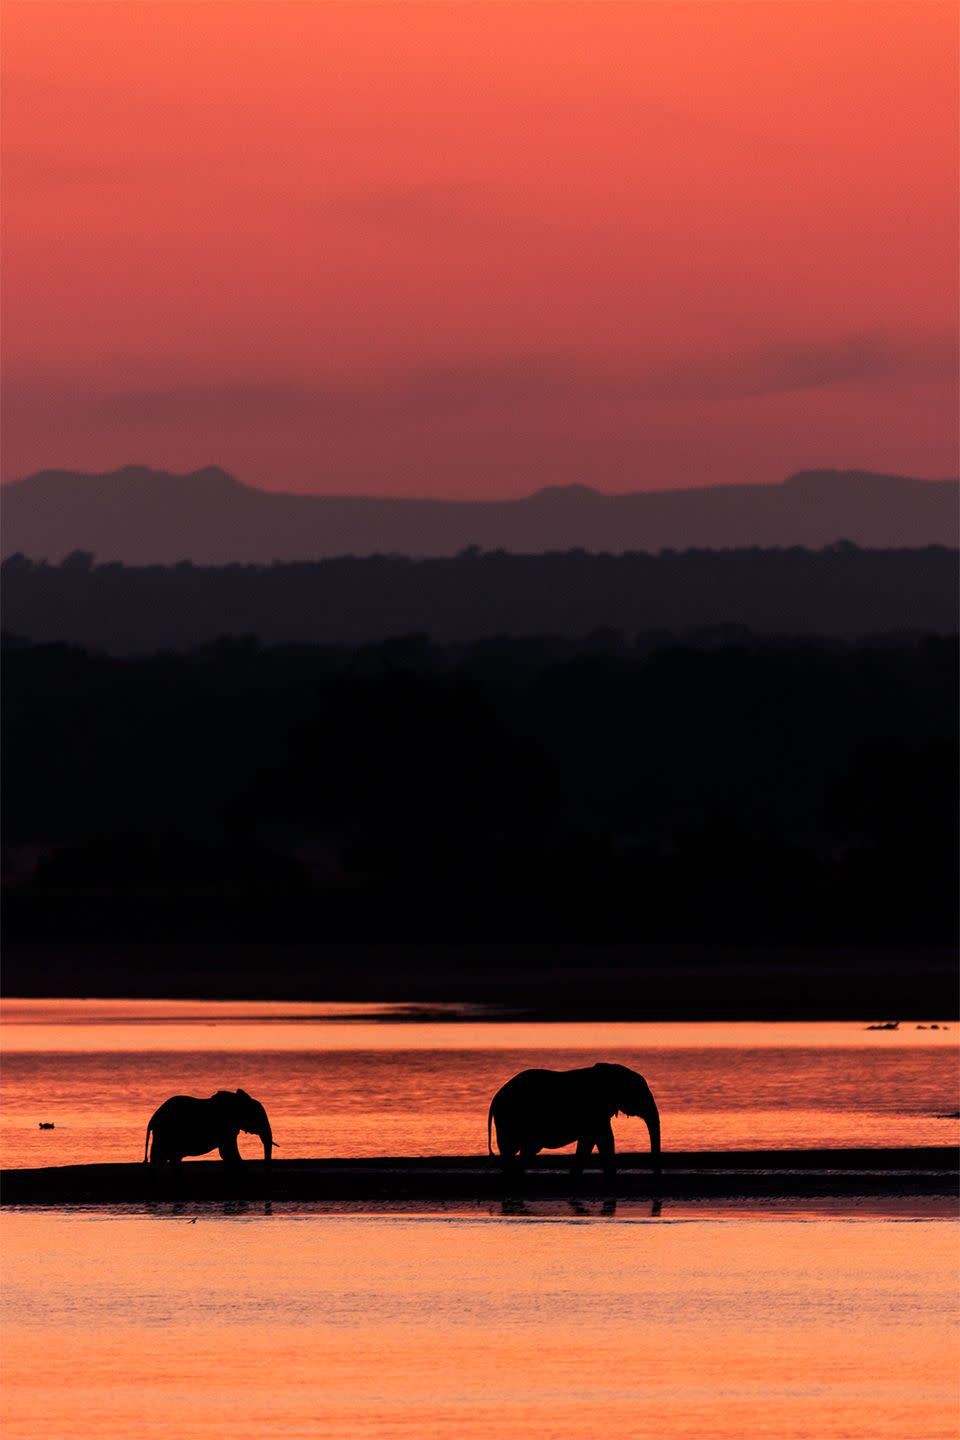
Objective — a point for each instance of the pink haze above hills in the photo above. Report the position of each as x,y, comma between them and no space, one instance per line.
470,250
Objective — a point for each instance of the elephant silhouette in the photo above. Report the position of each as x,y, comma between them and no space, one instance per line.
545,1109
186,1125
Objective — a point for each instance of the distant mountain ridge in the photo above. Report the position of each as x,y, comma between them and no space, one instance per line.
142,516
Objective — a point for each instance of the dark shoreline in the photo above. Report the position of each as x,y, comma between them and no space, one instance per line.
747,1174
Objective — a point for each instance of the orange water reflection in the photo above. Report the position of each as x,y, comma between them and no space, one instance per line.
124,1025
354,1086
373,1327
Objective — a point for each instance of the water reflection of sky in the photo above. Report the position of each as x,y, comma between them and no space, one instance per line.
182,1325
335,1086
239,1024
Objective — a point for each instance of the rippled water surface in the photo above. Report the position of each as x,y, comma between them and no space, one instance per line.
831,1321
354,1080
254,1325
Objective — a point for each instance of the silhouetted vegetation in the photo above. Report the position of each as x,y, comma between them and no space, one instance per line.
783,793
842,591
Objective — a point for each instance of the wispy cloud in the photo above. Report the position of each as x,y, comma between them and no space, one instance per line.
408,205
508,385
865,359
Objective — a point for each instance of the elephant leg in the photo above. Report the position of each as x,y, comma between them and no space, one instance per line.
514,1163
607,1152
513,1157
229,1153
584,1151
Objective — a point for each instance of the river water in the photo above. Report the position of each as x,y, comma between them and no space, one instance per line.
743,1326
362,1080
831,1321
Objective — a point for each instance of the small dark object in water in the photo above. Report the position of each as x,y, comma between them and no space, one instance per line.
923,1027
46,1125
887,1025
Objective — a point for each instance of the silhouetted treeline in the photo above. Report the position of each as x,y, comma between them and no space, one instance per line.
842,591
756,791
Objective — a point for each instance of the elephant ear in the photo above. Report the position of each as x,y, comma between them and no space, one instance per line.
243,1095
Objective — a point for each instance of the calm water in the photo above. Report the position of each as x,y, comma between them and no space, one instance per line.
289,1325
835,1321
370,1085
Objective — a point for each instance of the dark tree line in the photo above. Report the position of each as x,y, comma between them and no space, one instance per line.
735,791
841,590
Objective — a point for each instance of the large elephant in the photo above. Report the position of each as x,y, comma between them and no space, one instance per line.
544,1109
185,1125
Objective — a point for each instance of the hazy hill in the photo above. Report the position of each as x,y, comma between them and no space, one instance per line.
143,516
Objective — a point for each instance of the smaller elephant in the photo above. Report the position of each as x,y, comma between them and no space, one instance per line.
546,1109
185,1125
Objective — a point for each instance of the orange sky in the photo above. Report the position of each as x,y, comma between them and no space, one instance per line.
474,249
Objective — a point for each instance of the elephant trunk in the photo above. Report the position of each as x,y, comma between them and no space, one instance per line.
651,1115
266,1136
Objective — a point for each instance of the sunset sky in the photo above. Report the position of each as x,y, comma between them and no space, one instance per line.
473,249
